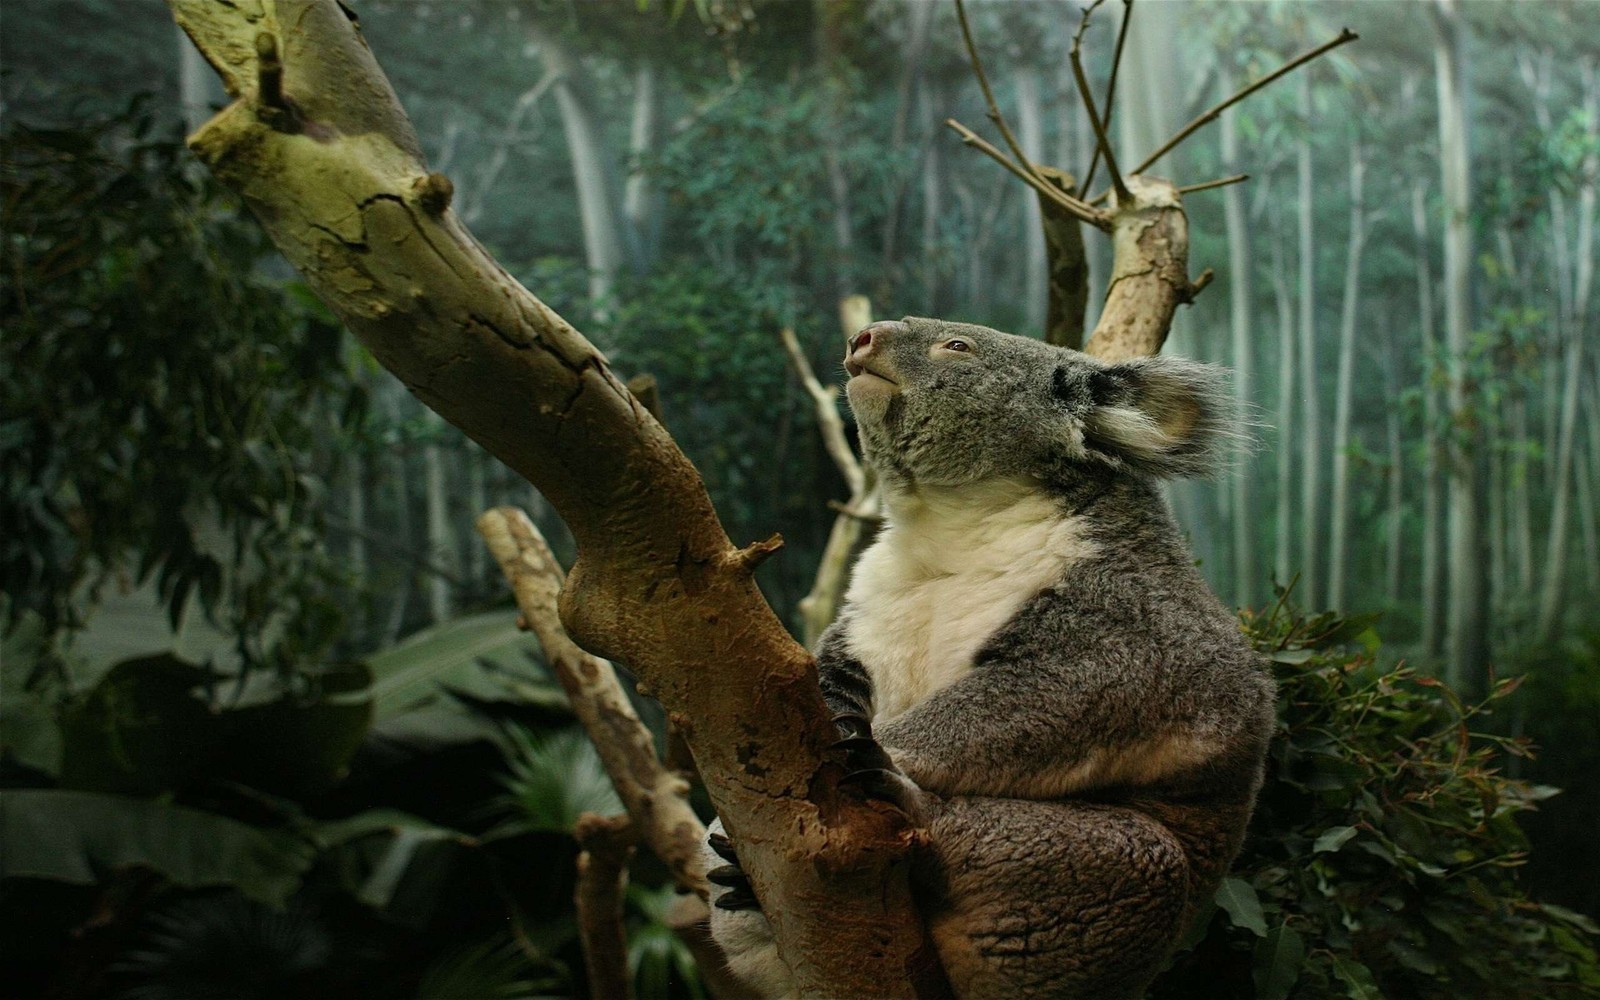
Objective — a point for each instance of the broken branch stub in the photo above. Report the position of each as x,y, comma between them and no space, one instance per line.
1149,271
337,179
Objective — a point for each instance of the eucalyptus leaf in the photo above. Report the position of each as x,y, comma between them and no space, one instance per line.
1277,962
1243,906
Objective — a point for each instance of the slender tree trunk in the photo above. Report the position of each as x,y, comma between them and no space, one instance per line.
1586,516
1395,551
1433,605
641,202
1241,304
477,556
594,173
1553,588
1283,557
441,544
1338,556
1467,663
1310,417
833,23
395,622
932,268
1030,132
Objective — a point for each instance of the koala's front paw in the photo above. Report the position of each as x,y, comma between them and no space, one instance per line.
869,767
739,894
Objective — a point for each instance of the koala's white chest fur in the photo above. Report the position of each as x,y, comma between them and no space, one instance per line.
948,571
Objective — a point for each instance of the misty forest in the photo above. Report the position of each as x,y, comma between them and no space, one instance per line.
347,441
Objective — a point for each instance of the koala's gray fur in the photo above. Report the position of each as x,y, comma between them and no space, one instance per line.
1079,722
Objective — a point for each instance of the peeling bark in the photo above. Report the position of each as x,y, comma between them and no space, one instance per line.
317,144
1149,272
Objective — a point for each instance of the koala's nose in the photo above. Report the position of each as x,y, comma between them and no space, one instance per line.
870,341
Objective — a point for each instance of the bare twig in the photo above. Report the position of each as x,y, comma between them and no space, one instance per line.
988,94
1345,35
1104,144
1111,85
656,798
829,423
1219,182
869,516
1070,204
607,847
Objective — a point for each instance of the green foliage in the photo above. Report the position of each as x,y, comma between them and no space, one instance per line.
77,837
162,393
553,779
1382,858
496,969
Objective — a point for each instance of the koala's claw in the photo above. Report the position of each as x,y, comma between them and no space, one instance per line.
724,848
853,725
737,899
738,895
863,753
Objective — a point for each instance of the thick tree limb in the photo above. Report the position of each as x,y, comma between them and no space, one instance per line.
606,844
336,177
1068,267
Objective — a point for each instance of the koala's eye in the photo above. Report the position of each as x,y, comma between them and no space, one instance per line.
957,345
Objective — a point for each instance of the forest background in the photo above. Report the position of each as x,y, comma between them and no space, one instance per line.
207,487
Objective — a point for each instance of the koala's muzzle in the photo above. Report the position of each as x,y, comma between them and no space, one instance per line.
867,350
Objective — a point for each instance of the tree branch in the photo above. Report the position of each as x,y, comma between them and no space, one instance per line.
1111,85
1345,35
829,423
606,847
341,189
988,94
1149,272
1087,213
1103,144
656,799
820,605
1068,264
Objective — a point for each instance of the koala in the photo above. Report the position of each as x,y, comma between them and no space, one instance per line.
1028,663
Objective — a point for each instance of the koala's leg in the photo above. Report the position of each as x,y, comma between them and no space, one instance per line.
1067,900
742,932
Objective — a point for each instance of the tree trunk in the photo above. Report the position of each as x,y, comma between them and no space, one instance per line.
1310,417
1240,306
441,542
657,584
395,622
1030,132
1283,557
594,172
932,266
1338,556
1467,663
1576,329
641,202
1433,605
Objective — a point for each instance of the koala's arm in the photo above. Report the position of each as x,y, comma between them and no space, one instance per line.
1010,730
846,686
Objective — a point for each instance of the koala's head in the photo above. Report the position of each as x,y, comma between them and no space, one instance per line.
949,403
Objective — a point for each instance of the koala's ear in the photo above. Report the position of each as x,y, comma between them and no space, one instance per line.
1162,416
